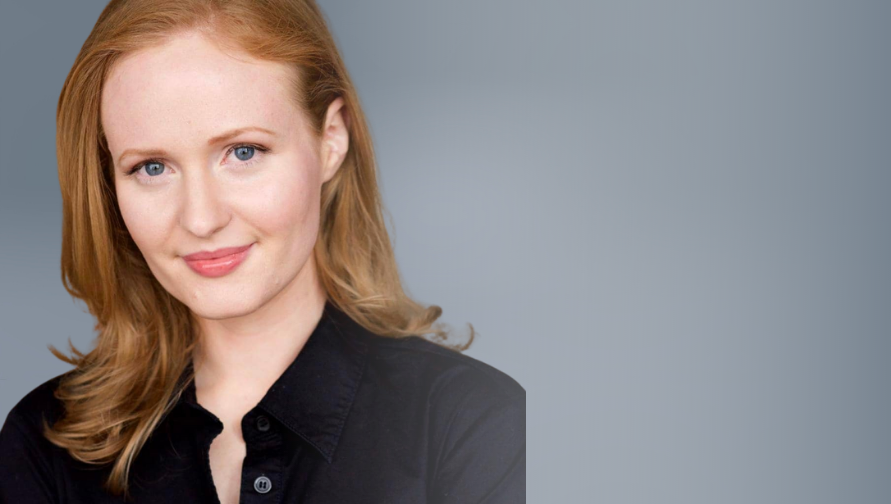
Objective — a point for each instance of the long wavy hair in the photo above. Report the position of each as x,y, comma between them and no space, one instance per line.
119,392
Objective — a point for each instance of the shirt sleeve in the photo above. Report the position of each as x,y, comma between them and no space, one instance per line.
26,471
482,459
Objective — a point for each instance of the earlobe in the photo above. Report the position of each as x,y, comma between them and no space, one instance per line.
335,138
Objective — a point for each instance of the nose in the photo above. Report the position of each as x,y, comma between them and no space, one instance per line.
203,212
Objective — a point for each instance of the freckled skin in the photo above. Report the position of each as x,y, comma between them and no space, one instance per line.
177,96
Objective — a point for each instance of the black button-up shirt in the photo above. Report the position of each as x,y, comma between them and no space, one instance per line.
356,418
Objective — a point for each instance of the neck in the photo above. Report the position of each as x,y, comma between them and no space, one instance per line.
241,357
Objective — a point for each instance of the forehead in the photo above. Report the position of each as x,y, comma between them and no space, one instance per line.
190,86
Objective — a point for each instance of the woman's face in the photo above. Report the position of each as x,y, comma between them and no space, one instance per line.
222,159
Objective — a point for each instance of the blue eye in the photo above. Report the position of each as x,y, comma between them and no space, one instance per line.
154,168
244,152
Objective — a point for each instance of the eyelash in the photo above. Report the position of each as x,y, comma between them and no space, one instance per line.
249,162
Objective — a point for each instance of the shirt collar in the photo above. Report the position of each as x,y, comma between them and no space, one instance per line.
314,395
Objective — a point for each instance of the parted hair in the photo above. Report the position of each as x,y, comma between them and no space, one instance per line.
119,392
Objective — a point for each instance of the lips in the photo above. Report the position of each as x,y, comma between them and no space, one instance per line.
218,262
215,254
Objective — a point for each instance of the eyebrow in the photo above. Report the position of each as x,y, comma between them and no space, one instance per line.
215,140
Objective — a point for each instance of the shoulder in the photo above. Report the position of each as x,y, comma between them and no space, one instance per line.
475,416
38,404
457,392
27,458
429,362
415,364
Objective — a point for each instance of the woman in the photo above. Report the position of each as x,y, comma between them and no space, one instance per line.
222,222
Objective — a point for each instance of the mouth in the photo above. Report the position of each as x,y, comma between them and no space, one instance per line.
216,263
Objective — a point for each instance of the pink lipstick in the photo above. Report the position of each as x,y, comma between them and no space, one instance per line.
216,263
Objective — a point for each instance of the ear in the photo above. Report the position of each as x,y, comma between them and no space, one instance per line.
335,138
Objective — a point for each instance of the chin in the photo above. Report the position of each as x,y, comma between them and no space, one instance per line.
222,309
219,302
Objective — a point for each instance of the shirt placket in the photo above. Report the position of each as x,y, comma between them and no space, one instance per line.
262,481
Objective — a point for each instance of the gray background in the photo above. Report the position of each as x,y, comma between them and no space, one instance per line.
669,221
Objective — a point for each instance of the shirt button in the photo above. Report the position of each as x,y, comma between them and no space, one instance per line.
262,423
262,485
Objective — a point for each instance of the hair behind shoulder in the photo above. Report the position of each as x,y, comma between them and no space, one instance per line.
122,389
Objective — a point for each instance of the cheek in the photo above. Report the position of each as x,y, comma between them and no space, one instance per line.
289,207
146,218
